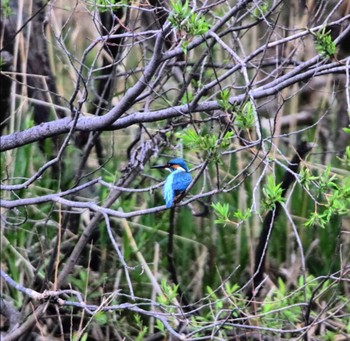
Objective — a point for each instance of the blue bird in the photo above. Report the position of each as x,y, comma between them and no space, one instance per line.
176,182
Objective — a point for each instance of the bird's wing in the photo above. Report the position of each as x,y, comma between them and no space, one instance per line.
181,180
175,183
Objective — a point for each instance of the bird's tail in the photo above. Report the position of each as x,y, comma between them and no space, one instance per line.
169,198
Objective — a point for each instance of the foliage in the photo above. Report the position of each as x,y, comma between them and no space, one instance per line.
211,144
324,43
184,18
224,216
84,233
108,5
246,116
6,9
261,9
333,195
224,100
272,193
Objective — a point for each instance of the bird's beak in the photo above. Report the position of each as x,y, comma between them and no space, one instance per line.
160,166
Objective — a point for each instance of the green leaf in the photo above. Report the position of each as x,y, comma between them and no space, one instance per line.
184,18
261,9
160,326
222,211
273,193
223,100
211,293
101,318
242,215
306,179
245,118
6,8
190,138
230,289
324,43
316,219
281,286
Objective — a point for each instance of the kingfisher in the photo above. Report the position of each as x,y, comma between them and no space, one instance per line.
176,182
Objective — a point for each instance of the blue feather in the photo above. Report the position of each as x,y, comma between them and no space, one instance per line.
177,181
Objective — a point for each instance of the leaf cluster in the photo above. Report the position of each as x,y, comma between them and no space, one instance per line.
185,19
225,217
6,8
106,5
261,9
283,305
324,43
245,118
209,143
224,100
272,193
333,195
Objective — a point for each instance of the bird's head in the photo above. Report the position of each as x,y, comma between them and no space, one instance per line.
173,165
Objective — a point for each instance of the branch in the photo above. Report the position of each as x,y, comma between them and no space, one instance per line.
54,296
269,220
62,126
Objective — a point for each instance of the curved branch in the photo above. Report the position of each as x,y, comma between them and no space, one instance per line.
62,126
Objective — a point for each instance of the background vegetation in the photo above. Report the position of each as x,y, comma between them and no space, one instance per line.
94,93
